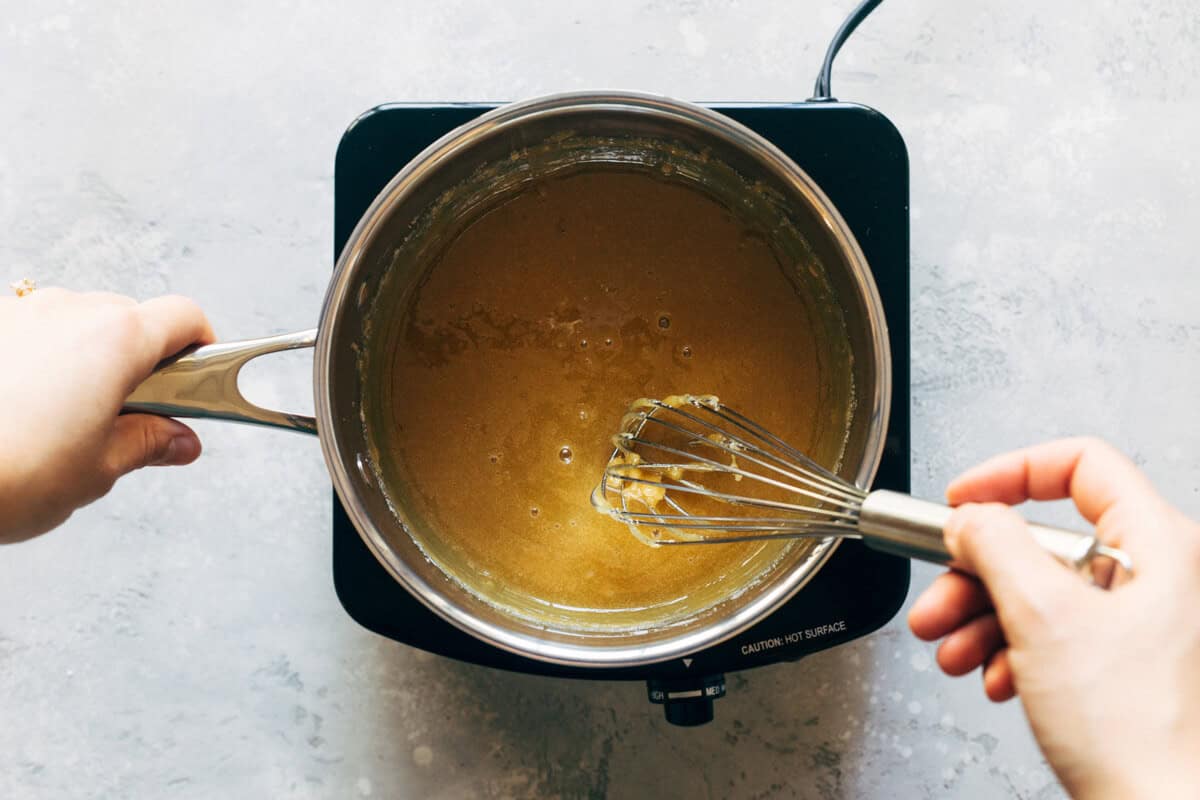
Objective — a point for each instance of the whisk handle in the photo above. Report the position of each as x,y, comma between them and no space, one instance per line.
905,526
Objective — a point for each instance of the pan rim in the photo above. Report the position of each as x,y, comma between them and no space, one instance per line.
342,290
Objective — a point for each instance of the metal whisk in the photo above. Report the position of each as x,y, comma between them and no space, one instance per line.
689,470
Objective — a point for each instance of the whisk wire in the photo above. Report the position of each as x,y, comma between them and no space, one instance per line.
662,444
806,471
736,499
796,459
716,466
772,536
788,526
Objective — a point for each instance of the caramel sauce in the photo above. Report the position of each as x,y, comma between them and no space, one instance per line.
517,356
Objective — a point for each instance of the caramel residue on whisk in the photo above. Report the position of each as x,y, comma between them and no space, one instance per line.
723,442
648,494
679,401
633,483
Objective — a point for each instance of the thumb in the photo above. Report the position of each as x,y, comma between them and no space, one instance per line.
1025,582
143,440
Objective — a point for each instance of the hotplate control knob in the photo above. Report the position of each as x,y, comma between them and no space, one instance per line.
687,701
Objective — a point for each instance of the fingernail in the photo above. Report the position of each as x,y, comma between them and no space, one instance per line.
181,450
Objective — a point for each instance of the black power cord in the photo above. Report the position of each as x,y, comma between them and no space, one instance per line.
822,92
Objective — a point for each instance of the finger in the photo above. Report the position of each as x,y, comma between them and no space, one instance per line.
951,601
142,440
969,647
998,682
110,298
1107,488
49,294
1089,471
1025,583
171,324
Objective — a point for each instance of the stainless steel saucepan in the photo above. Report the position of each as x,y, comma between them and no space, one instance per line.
388,253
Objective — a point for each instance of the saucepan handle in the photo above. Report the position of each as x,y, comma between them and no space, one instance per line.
903,525
202,383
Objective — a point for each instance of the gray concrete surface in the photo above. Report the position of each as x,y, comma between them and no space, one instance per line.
181,638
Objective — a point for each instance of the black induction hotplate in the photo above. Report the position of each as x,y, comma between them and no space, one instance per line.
859,159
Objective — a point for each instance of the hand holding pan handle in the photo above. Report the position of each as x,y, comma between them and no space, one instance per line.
202,383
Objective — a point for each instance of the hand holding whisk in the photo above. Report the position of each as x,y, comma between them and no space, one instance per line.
690,470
